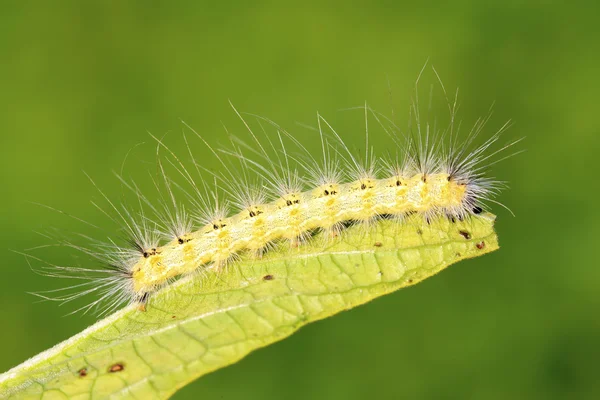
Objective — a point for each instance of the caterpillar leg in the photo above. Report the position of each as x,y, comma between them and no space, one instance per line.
142,301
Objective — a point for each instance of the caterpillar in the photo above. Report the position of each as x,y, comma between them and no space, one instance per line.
279,196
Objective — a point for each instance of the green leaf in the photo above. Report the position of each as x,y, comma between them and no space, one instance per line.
207,321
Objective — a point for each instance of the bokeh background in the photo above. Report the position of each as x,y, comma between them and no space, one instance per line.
82,83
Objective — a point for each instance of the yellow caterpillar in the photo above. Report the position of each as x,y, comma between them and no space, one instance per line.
438,176
290,217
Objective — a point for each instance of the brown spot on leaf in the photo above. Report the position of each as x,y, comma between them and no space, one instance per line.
480,245
118,367
268,277
82,372
465,234
378,244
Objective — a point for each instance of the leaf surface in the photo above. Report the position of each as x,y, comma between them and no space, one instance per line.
207,321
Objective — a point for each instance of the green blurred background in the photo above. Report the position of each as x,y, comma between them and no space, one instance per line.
83,82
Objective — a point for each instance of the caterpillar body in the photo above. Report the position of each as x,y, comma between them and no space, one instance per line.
436,176
292,216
